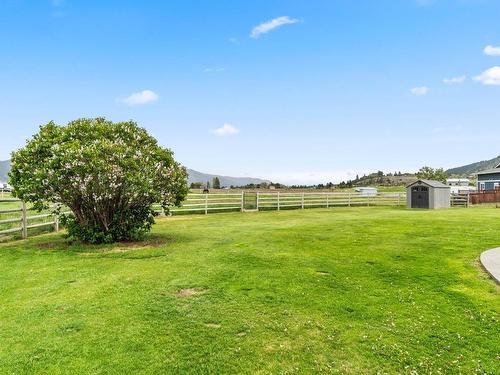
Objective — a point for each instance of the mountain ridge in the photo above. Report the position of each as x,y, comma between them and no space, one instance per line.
475,167
200,177
194,176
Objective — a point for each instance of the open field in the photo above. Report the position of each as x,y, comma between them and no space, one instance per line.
12,222
350,290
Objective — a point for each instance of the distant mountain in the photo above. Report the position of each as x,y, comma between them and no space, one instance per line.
4,169
194,176
475,167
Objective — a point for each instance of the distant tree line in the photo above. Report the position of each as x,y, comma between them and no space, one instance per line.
376,178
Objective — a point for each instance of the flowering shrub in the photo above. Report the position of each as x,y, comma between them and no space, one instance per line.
108,174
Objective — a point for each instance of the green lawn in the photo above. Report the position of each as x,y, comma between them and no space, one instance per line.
344,290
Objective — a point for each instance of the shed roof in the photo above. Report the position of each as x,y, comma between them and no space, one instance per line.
431,183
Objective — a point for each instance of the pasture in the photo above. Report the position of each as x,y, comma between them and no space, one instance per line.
15,222
343,290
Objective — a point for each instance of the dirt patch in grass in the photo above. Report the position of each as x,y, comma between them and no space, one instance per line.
324,273
128,246
189,292
51,245
122,247
152,241
213,325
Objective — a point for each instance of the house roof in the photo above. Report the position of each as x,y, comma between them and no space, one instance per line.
490,171
431,183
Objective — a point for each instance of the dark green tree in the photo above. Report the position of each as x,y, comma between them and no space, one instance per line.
216,183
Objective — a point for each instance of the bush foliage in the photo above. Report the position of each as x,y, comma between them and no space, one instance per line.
428,173
108,174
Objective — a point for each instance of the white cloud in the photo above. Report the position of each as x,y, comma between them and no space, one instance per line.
454,80
226,129
139,98
490,77
491,51
214,70
265,27
419,91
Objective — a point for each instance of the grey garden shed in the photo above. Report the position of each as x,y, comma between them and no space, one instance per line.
428,194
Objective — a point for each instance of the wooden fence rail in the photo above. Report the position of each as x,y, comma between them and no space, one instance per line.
20,219
460,200
488,196
262,201
24,219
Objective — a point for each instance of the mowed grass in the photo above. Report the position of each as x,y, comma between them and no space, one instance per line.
344,290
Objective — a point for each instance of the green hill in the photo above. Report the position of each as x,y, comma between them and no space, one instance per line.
475,167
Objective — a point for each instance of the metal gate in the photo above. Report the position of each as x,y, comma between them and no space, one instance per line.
250,201
419,197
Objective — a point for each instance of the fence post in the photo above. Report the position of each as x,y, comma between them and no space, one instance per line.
206,203
302,200
56,220
242,201
368,201
24,221
327,200
278,200
257,201
349,199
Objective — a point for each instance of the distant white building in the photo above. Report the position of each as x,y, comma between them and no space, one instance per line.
5,186
459,185
458,182
367,191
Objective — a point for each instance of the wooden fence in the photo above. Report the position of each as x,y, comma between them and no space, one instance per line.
460,200
262,201
487,196
19,218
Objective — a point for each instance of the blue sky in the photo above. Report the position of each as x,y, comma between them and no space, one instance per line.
296,91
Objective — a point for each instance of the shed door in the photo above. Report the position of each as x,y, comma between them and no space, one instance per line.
420,197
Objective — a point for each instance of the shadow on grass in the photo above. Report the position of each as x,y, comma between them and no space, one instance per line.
154,245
